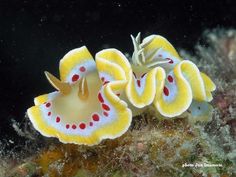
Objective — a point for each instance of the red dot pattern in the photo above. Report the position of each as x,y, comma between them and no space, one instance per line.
95,117
170,60
75,77
100,98
74,126
105,114
82,69
105,107
82,126
139,83
58,119
170,78
166,91
48,105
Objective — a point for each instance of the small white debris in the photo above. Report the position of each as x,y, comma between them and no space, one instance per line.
10,141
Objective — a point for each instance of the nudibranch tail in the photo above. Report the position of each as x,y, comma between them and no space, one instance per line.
200,111
89,112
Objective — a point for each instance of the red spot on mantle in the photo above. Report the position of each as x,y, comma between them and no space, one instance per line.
105,114
58,119
74,126
170,60
170,78
48,105
139,83
75,77
82,126
166,91
82,69
49,113
106,107
67,126
91,124
100,98
95,117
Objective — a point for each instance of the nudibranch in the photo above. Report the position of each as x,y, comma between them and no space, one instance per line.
183,82
157,75
83,110
94,99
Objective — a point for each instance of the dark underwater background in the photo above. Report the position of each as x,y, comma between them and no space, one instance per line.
35,35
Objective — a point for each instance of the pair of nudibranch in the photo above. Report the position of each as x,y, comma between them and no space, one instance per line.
96,99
